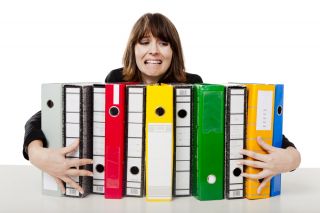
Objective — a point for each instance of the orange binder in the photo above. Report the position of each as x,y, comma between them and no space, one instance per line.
259,123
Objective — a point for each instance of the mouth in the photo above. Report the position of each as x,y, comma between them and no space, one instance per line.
152,62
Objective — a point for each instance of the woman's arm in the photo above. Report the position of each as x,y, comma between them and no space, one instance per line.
52,161
277,160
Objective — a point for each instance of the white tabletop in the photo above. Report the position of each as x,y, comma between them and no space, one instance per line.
21,192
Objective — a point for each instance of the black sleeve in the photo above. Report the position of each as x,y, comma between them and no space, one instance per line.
114,76
194,79
33,132
286,143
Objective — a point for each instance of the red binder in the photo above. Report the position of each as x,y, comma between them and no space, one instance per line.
114,139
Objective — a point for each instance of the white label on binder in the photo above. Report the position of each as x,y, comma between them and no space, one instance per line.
160,159
264,110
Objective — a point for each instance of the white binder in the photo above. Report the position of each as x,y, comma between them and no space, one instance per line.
183,115
235,137
78,125
135,141
98,138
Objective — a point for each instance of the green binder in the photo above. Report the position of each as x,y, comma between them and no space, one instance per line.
208,142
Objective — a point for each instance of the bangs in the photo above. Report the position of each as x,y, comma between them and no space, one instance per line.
155,26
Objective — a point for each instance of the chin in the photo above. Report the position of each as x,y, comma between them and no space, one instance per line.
154,73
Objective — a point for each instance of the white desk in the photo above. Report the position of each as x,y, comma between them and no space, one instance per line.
21,192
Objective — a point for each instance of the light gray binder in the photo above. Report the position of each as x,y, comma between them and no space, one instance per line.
52,127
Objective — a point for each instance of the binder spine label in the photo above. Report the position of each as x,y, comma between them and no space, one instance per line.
135,141
98,138
182,184
235,139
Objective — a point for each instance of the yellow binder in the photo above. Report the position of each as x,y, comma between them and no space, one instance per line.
259,123
159,142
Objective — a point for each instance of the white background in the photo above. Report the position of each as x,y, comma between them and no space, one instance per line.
239,41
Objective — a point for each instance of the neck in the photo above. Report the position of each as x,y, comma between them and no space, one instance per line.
150,79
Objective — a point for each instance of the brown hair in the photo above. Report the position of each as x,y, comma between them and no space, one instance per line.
161,27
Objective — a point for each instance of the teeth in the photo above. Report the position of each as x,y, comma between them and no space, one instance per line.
153,62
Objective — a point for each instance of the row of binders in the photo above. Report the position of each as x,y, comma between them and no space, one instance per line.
161,141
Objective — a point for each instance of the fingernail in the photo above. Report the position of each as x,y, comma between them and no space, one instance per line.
91,174
81,191
239,162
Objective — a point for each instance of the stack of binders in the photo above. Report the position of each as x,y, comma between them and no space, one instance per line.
163,140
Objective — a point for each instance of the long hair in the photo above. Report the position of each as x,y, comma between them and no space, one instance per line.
160,27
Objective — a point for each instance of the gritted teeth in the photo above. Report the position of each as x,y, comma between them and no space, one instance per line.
153,62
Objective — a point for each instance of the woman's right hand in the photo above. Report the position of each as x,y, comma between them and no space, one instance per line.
54,162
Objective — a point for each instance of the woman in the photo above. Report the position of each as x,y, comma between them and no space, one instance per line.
153,55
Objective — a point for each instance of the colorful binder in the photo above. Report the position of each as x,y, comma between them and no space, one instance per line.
98,138
159,142
235,138
259,123
275,183
135,140
78,125
52,126
208,144
114,139
183,140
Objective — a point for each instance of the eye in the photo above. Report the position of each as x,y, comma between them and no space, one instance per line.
144,41
164,43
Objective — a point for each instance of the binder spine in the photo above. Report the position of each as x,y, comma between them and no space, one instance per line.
259,123
235,134
98,138
208,156
183,114
159,142
135,134
52,126
78,125
114,140
275,183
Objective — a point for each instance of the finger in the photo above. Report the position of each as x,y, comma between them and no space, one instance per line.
254,155
72,184
257,176
61,185
77,172
263,184
253,163
264,145
79,162
71,148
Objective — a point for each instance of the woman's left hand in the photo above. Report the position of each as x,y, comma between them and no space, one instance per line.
277,160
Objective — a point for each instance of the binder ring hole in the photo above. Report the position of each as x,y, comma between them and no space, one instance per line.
182,113
237,172
160,111
99,168
279,110
211,179
50,104
134,170
114,111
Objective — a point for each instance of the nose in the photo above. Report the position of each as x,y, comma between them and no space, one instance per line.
153,48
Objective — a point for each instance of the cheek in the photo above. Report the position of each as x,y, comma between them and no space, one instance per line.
168,54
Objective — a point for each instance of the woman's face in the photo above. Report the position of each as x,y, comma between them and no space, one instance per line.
153,58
